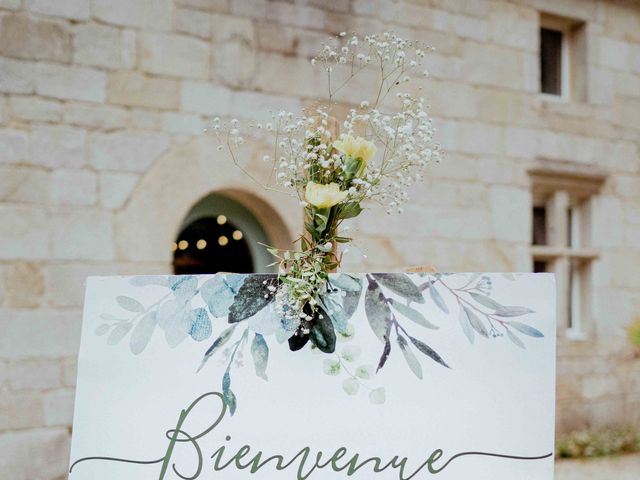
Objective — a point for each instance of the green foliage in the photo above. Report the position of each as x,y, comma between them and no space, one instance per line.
634,333
588,444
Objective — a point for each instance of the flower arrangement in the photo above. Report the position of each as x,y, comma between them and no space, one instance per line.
382,150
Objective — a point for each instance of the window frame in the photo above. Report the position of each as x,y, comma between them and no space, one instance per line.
564,26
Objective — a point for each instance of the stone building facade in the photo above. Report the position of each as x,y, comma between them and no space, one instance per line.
102,155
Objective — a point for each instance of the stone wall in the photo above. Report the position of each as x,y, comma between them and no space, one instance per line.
102,109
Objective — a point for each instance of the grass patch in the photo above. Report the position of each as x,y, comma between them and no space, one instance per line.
600,443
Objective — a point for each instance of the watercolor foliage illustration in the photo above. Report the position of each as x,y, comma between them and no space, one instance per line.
234,314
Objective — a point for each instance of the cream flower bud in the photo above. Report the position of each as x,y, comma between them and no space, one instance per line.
356,147
324,196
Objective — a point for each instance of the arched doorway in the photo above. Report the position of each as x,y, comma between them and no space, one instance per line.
219,234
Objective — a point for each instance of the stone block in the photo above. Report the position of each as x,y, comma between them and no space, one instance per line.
52,460
39,333
206,5
601,86
129,44
206,98
492,65
613,53
35,109
250,8
29,38
95,116
11,4
73,9
24,285
261,106
57,146
139,90
235,64
133,152
478,138
21,184
65,282
183,123
514,26
115,188
70,83
502,106
97,45
13,146
73,187
520,142
58,407
4,375
470,27
41,373
296,15
16,76
627,84
82,235
21,410
452,100
193,22
510,214
230,27
300,79
176,55
69,371
145,119
24,232
156,15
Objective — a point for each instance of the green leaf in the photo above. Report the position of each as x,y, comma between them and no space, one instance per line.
428,351
252,297
260,354
198,324
400,284
386,351
412,314
526,329
411,359
486,301
351,353
349,210
102,329
466,325
119,332
331,366
130,304
437,299
345,282
142,333
351,386
364,372
475,322
377,396
515,339
227,393
377,310
217,344
322,333
513,311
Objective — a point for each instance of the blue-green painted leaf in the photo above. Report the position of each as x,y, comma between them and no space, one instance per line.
253,296
466,325
102,329
428,351
526,329
227,393
345,282
437,299
184,287
513,311
377,311
401,284
515,339
411,359
145,280
142,333
323,334
377,396
475,322
260,354
412,314
130,304
224,337
218,293
486,301
199,324
119,332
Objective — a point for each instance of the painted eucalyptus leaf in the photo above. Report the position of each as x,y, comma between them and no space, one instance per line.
146,280
437,299
428,351
252,297
142,333
475,322
199,324
227,393
224,337
346,282
385,352
351,353
466,325
351,386
400,284
260,354
364,372
411,359
378,396
331,366
485,300
119,332
130,304
184,287
412,314
377,311
322,333
102,329
512,336
513,311
219,292
526,329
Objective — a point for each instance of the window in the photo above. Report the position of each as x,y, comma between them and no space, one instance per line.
562,57
562,220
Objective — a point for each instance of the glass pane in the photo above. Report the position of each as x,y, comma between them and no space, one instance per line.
539,226
550,61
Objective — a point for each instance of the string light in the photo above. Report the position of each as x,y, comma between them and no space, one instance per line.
237,235
222,240
221,219
201,244
174,246
183,244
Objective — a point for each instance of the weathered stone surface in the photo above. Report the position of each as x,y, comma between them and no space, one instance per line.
35,108
82,234
139,90
509,220
21,410
235,63
115,188
97,45
58,407
57,146
31,374
24,285
156,15
13,146
183,123
74,9
132,152
201,97
65,284
492,65
175,55
16,76
72,83
22,184
95,116
24,232
51,461
73,187
206,5
193,22
26,37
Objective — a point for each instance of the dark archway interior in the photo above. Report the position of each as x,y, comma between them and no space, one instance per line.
211,245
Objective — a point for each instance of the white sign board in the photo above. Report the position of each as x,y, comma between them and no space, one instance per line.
449,376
